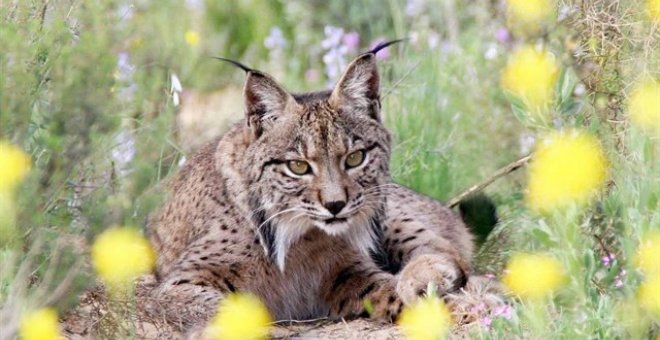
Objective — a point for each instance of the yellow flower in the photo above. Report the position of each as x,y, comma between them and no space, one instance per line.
14,165
533,276
428,318
567,167
192,38
653,9
648,254
644,104
648,295
40,325
120,255
531,75
240,317
630,316
529,15
136,43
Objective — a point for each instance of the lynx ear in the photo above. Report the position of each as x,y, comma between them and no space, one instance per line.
265,101
358,88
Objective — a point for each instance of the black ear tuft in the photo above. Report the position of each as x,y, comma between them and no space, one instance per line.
235,63
384,45
265,99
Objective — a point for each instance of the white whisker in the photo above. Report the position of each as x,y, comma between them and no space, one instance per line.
296,209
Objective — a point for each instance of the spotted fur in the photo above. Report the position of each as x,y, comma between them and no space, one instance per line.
313,245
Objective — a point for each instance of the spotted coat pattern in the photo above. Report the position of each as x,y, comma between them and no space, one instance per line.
238,220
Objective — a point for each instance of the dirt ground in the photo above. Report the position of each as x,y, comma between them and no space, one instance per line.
97,318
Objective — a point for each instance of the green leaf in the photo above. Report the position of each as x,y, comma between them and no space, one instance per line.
570,106
567,82
589,263
368,306
431,290
542,236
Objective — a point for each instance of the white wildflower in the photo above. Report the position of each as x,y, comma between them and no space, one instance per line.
175,89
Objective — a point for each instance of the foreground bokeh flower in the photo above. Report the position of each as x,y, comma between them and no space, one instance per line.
644,105
533,276
529,15
428,318
648,295
40,325
192,38
120,255
14,165
653,9
567,167
240,317
531,75
647,258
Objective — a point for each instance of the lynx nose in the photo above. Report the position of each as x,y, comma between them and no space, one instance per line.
335,207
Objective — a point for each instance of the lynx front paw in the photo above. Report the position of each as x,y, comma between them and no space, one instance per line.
384,304
378,300
442,271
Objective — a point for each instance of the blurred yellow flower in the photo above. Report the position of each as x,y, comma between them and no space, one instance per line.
531,75
192,38
428,318
136,43
14,165
644,104
630,316
240,317
653,9
567,167
40,325
529,15
647,258
533,276
648,295
120,255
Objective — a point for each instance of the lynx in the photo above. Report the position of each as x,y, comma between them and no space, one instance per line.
295,205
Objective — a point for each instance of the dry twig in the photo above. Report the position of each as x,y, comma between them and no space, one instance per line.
511,167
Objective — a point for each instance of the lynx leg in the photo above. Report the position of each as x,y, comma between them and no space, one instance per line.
190,293
424,257
184,304
358,285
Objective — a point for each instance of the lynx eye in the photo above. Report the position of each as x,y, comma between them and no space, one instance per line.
299,167
354,159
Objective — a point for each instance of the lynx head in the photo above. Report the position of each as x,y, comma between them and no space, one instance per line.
316,160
